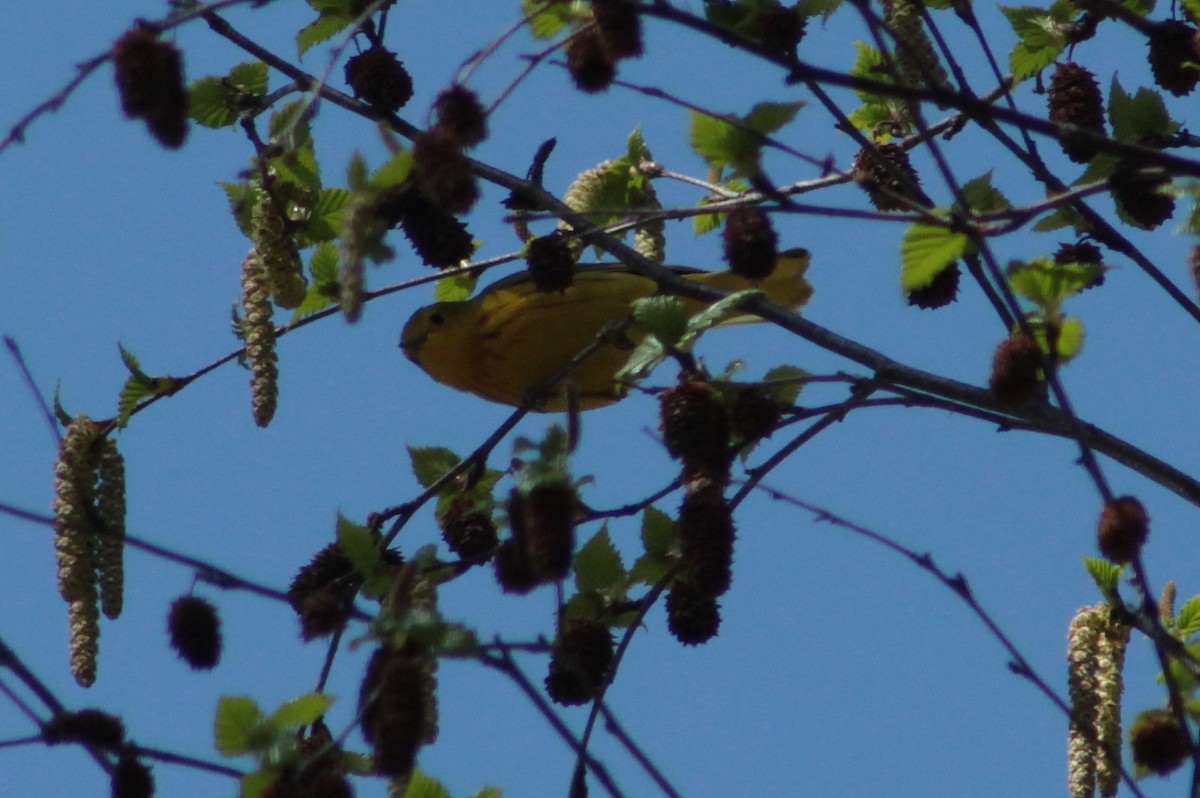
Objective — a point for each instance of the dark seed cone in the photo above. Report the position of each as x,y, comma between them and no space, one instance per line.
750,242
1081,252
941,291
589,62
693,616
888,178
443,173
1137,195
1122,530
149,76
548,518
1016,367
579,662
322,592
1173,44
706,535
695,426
620,29
1075,99
1157,742
551,263
513,571
753,413
378,77
195,632
394,706
89,726
439,239
131,779
468,532
460,116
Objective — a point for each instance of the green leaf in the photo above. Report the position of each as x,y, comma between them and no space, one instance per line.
720,311
1188,618
394,171
584,604
359,545
664,317
254,784
489,792
1138,117
430,463
210,103
1047,284
421,785
237,720
356,764
926,251
982,197
324,288
552,16
660,534
456,287
240,197
643,360
1070,338
735,142
250,77
598,565
321,29
1060,217
1106,575
824,8
323,221
1192,7
300,711
784,383
1041,37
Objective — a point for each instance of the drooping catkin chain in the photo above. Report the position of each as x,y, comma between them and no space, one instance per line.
89,526
1095,658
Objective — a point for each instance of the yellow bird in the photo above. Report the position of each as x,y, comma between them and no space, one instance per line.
512,339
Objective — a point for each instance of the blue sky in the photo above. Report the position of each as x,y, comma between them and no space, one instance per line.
840,669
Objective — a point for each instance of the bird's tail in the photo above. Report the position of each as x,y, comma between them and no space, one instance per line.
785,286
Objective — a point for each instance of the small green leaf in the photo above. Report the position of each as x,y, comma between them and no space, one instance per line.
926,251
210,103
356,764
824,8
1106,575
785,383
1041,37
1070,338
598,565
250,77
548,18
1188,618
300,711
321,29
982,197
1191,7
659,532
643,360
394,171
489,792
1047,284
664,317
254,784
421,785
430,463
734,141
240,197
359,545
1060,217
720,311
456,287
1138,117
584,604
237,720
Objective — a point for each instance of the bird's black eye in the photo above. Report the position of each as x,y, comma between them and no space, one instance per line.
437,318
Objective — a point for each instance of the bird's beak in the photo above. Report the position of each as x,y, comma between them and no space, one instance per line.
412,345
